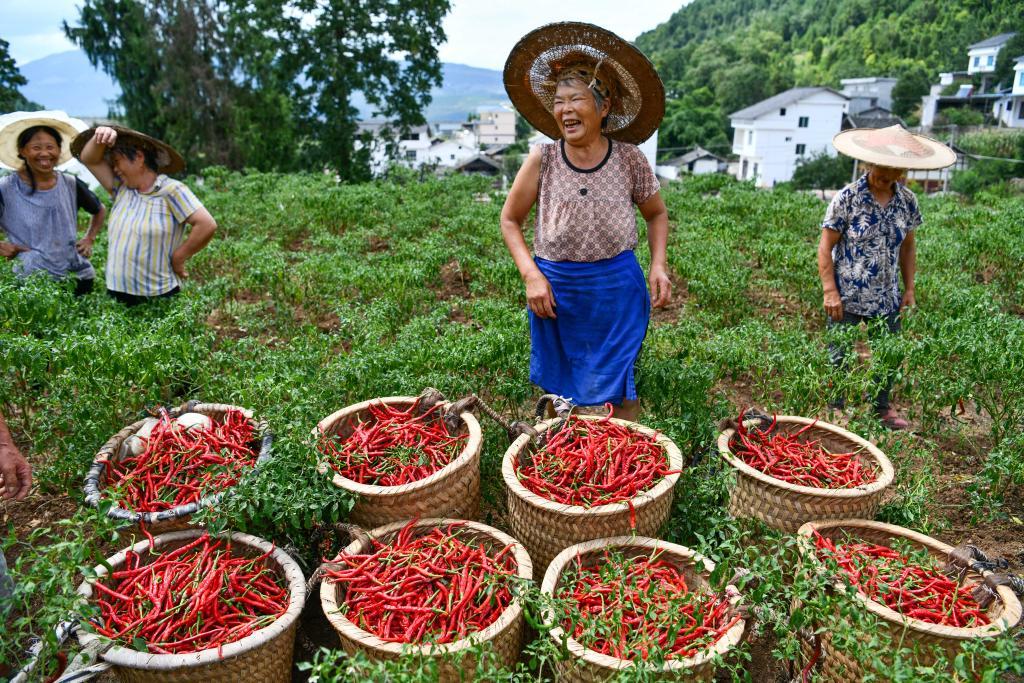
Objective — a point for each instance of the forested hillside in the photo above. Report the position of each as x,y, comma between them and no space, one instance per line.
717,56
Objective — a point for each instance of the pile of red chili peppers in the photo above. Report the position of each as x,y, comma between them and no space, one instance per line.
436,587
629,608
196,597
887,576
594,462
180,466
804,463
395,447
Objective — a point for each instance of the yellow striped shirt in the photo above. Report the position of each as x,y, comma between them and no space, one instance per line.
144,230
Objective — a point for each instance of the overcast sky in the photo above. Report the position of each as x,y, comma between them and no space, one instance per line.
480,32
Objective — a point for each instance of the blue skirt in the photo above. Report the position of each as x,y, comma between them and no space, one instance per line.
588,353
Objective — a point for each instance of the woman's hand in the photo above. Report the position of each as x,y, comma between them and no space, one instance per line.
833,305
105,135
909,300
178,259
661,287
539,296
9,250
84,246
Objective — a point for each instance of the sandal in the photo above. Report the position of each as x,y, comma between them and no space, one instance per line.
891,419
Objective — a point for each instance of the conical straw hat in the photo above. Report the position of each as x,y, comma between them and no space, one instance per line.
12,125
533,66
167,158
895,147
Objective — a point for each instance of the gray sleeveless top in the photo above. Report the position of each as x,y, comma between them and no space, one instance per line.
45,221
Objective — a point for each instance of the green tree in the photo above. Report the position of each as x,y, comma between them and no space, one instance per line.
822,172
912,85
1004,73
11,80
326,52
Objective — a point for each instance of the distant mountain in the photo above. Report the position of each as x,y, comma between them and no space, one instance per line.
67,81
464,89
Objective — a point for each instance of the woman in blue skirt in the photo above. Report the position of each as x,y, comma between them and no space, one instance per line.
597,97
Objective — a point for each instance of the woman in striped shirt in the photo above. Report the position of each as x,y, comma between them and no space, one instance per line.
148,245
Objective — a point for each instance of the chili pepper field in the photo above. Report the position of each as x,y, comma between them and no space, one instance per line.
314,296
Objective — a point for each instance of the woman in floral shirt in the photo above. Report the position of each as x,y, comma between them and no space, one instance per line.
867,242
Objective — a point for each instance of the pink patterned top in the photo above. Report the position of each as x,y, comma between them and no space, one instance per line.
589,215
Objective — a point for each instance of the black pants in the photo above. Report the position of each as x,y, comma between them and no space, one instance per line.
83,287
135,299
839,352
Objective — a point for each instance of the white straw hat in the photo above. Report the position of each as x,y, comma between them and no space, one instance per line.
894,147
12,125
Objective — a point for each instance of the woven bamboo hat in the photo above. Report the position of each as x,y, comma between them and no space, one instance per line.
619,69
12,125
895,147
167,158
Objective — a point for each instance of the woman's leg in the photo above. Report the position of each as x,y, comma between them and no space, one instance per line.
839,352
629,409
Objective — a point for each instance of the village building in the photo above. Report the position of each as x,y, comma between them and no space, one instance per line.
1008,109
496,125
872,92
697,161
771,137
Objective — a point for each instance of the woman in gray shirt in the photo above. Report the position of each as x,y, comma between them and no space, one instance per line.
39,205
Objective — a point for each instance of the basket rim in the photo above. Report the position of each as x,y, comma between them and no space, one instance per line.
119,655
554,571
662,486
94,494
1012,605
885,477
472,447
341,623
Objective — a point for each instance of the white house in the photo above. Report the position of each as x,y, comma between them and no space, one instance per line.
697,161
496,125
411,146
981,57
1008,110
868,93
774,134
447,153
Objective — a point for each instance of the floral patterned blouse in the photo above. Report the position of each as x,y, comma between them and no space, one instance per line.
866,257
588,215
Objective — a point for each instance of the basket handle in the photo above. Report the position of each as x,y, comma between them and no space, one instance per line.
428,399
468,403
968,556
353,533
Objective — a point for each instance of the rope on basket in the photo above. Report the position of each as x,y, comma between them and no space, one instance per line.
968,556
350,531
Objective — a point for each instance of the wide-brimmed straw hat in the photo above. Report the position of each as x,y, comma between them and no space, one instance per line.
12,125
167,158
895,147
541,56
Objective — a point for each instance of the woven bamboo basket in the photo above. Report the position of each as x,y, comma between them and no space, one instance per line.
505,635
786,506
178,517
836,666
589,666
546,527
264,656
453,491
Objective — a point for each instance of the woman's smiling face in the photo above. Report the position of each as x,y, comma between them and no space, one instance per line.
577,113
41,153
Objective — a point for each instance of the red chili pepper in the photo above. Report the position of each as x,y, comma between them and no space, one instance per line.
179,466
918,591
628,607
395,448
437,587
789,458
594,462
186,600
